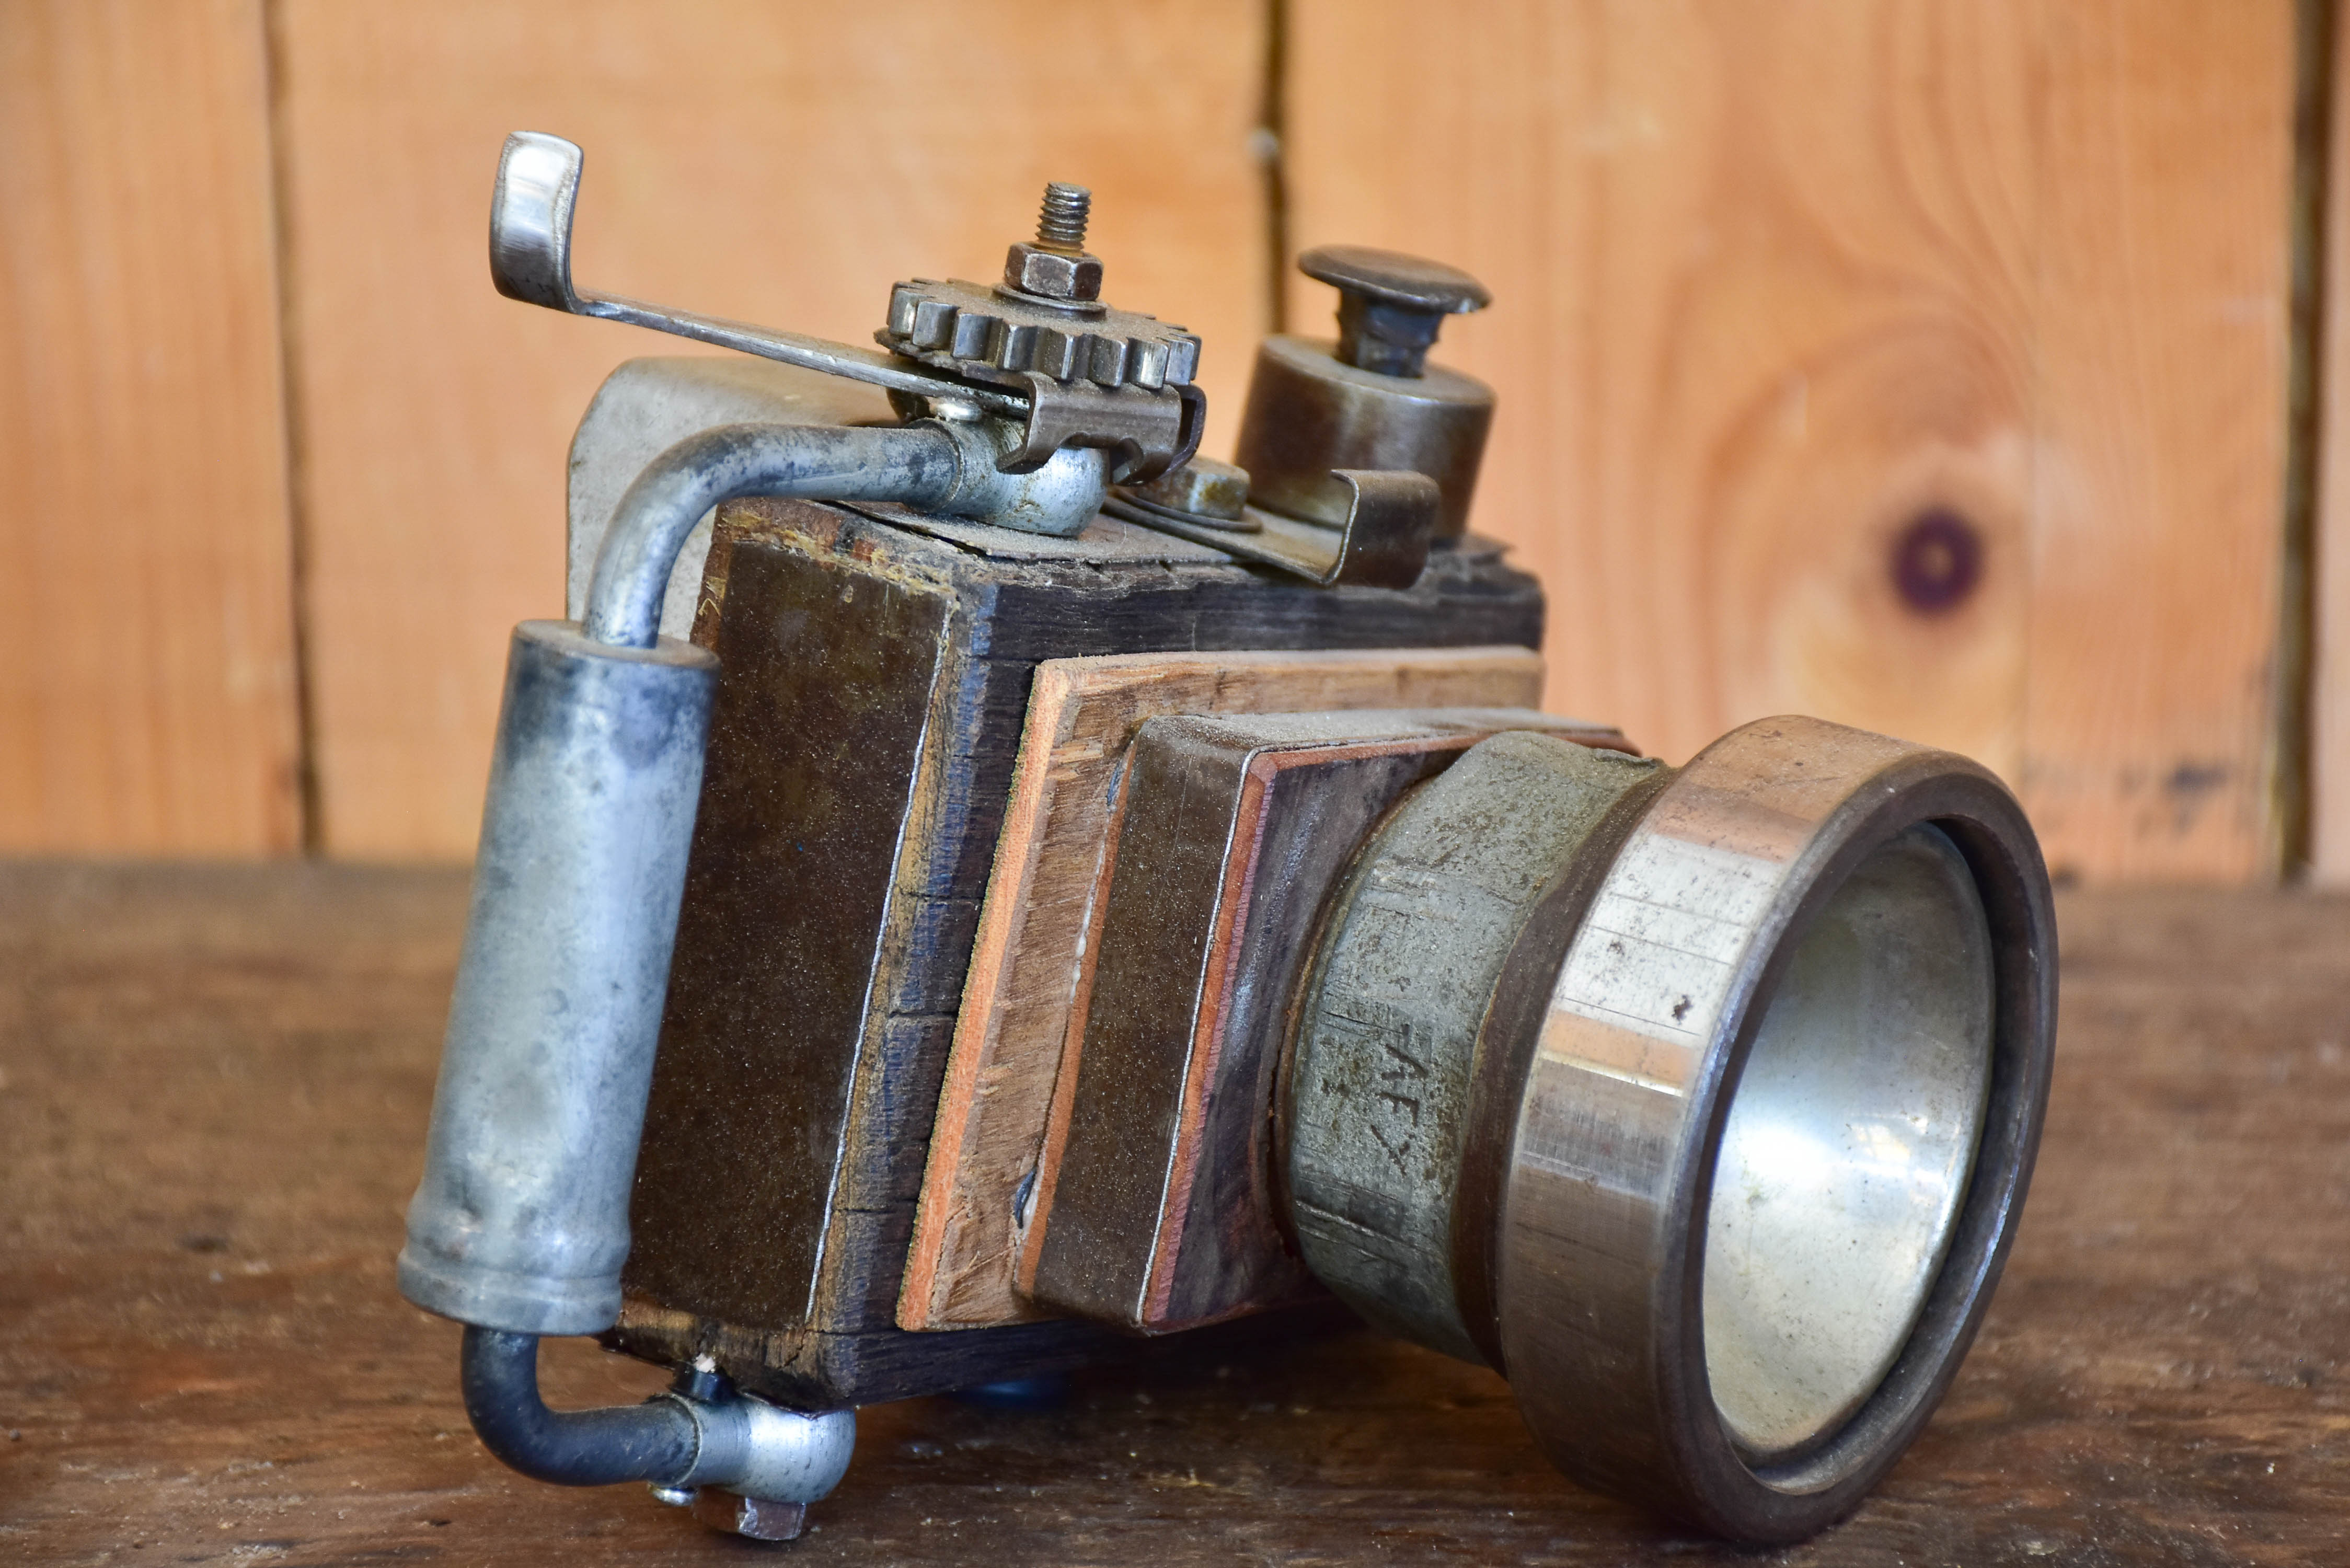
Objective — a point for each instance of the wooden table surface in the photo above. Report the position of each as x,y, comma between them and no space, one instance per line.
213,1093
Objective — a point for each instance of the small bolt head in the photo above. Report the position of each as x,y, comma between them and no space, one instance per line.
1052,274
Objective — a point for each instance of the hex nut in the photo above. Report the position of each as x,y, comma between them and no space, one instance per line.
1052,274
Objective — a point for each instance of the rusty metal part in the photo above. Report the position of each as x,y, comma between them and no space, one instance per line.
1149,431
1093,375
1741,1138
1309,413
1381,540
1390,305
1160,1213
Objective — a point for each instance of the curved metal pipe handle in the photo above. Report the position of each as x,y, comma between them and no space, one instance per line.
530,260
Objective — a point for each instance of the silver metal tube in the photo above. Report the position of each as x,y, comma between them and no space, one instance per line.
521,1223
919,466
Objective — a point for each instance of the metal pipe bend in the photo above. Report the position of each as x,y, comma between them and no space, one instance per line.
918,465
935,465
656,1441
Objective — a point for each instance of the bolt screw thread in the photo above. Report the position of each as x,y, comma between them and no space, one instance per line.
1061,224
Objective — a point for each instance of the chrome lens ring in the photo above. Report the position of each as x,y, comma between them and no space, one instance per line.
1608,1189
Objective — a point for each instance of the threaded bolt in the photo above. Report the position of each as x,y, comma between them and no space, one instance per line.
1061,224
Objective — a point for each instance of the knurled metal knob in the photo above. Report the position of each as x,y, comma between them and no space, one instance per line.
1390,305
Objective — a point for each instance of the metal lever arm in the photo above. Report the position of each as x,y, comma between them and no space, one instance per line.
530,260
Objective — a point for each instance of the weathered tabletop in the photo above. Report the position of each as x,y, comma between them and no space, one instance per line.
213,1111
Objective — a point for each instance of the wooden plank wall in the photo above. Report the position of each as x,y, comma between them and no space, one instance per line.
1780,287
1782,291
147,669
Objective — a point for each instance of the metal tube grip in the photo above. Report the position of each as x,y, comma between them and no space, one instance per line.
521,1223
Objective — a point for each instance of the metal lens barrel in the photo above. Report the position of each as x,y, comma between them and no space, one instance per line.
521,1223
1701,1104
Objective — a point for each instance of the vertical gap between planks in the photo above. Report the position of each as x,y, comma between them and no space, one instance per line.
312,796
1273,152
2292,785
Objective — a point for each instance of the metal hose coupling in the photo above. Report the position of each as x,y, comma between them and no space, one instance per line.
683,1442
1700,1103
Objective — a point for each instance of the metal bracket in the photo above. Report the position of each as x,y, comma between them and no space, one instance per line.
1152,431
1384,543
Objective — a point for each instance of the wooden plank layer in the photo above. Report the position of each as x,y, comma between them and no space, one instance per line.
146,675
1026,982
1920,366
782,164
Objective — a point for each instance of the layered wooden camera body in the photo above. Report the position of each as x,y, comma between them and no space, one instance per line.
974,1013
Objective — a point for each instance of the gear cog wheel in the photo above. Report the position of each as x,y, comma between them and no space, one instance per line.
990,334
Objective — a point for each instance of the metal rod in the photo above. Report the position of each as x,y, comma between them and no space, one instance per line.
530,260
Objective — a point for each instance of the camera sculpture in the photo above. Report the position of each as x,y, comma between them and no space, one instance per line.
973,884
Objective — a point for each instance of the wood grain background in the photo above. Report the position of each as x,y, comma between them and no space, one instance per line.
147,668
1773,283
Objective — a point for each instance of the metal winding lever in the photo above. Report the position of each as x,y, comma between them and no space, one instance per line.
530,260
